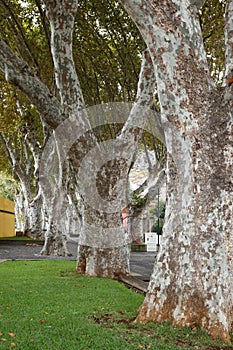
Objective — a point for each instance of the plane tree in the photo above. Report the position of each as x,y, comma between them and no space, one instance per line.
66,102
192,278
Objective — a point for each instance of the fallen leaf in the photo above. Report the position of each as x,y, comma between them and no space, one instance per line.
193,328
3,340
1,334
13,344
12,335
42,321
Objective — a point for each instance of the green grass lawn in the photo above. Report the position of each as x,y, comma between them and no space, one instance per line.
18,238
15,238
46,305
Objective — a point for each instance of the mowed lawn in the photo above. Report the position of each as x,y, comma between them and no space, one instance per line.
46,305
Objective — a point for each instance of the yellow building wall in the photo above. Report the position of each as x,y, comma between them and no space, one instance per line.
7,218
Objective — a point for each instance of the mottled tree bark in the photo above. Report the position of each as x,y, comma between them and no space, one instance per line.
69,105
55,240
103,262
192,278
29,214
98,247
104,246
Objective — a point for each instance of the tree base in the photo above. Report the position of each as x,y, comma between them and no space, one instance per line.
55,246
105,262
149,313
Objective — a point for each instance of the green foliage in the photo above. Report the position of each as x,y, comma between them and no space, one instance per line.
8,186
212,24
18,238
17,115
136,201
154,210
5,165
46,305
107,46
22,28
153,213
157,228
107,50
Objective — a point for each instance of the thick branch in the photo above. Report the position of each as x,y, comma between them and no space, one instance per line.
155,182
178,56
141,110
61,16
170,40
20,74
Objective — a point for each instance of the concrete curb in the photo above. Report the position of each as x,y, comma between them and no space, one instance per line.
2,260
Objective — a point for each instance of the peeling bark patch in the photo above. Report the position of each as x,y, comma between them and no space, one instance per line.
81,148
108,178
102,219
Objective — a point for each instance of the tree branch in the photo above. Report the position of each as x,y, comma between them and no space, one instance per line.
178,55
61,16
144,100
20,74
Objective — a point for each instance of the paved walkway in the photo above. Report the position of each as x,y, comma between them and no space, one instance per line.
141,263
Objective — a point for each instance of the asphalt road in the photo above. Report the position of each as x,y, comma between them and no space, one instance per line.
141,263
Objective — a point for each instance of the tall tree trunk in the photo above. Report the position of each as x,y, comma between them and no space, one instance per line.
103,262
35,229
103,245
28,210
56,231
192,278
138,222
55,242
